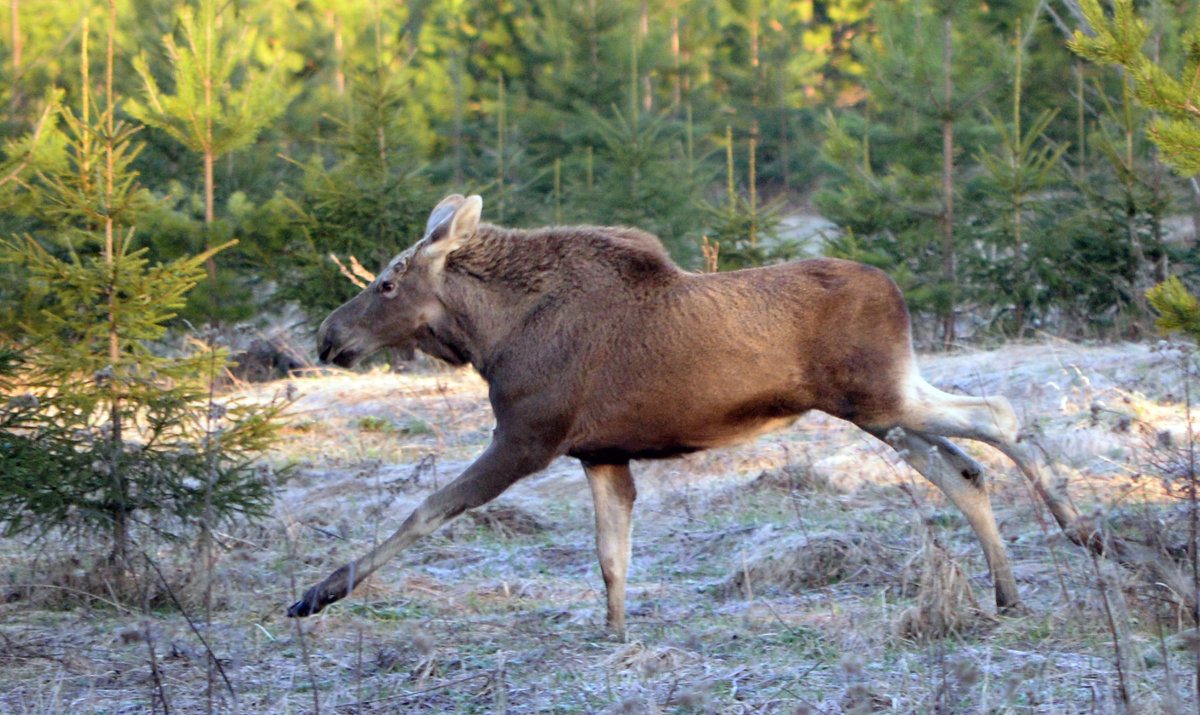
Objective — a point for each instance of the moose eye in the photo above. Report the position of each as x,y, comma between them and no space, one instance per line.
387,287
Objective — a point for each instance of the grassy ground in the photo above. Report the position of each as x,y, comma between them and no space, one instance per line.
809,571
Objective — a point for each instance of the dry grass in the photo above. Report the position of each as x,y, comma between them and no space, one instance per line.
809,571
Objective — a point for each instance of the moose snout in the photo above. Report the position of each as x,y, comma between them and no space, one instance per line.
331,348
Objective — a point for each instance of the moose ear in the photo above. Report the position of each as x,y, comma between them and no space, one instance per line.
439,218
466,219
454,228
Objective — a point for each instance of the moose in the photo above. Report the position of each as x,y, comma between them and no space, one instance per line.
594,344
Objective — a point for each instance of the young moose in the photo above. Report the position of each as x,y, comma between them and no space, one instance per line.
594,344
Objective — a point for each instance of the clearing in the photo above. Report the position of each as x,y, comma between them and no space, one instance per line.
808,571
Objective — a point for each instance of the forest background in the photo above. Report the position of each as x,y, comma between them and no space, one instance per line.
177,178
1006,184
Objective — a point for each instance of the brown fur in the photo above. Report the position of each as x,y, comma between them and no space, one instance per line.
595,345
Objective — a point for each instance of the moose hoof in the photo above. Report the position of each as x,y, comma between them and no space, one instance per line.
300,609
311,603
1014,610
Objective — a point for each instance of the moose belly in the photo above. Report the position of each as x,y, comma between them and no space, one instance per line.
670,436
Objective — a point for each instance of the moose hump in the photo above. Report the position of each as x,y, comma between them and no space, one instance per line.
591,256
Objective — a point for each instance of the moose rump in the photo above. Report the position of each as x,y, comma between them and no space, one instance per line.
594,344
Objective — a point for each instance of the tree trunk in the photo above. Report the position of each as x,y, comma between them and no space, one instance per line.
209,214
339,52
15,21
1195,211
456,81
1141,271
643,31
209,157
501,130
784,149
676,86
949,272
593,46
120,514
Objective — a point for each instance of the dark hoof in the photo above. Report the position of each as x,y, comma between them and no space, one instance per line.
1014,610
311,603
300,609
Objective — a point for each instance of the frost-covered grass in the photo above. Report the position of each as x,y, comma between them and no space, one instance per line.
807,571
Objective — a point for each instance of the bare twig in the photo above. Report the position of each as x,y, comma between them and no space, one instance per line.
160,691
10,651
1102,584
79,592
358,275
402,697
359,271
1194,520
300,635
192,625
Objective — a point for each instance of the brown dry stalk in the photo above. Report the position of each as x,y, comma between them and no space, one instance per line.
401,697
212,656
358,275
1117,638
156,675
711,251
300,635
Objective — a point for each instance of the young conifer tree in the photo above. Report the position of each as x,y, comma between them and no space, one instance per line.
896,185
1120,39
373,202
220,102
108,434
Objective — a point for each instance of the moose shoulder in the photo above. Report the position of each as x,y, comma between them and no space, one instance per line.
594,344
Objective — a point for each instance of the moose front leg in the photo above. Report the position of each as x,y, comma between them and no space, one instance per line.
613,493
499,467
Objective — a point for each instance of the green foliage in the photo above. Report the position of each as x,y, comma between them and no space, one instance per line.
643,175
1017,221
134,438
179,461
370,205
38,149
138,433
747,234
743,232
887,217
1121,40
1178,310
217,104
1175,128
894,184
391,105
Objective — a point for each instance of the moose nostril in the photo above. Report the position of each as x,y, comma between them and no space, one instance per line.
325,340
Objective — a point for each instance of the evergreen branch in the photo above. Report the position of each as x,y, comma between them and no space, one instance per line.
38,127
1178,310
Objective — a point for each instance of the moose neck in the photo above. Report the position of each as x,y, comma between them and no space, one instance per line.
488,289
500,280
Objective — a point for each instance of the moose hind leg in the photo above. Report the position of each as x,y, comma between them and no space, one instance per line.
991,420
613,493
961,479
